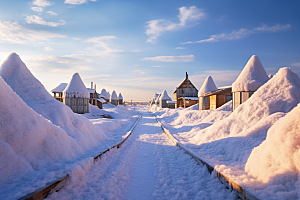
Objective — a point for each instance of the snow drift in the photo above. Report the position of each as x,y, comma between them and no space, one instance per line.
19,78
280,152
280,94
27,140
252,77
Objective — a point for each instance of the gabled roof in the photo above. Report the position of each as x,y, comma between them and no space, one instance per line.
182,83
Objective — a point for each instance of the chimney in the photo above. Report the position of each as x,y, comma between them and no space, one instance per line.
186,75
91,85
95,87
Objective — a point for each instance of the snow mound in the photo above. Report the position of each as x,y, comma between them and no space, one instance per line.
103,93
226,107
208,86
27,140
193,107
252,77
280,94
19,78
114,96
120,96
164,96
280,152
76,88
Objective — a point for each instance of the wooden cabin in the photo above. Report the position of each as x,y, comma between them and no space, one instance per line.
185,90
120,99
250,79
217,98
185,102
114,98
58,91
171,104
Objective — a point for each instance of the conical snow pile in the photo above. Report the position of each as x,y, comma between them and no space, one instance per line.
76,88
19,78
252,77
103,93
27,140
114,98
164,96
120,96
208,86
107,96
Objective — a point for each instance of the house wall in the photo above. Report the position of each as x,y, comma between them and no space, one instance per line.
240,97
77,105
163,103
120,101
204,103
170,105
114,102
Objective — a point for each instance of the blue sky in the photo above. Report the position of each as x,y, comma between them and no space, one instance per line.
142,47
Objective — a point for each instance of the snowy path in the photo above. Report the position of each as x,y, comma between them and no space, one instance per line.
146,166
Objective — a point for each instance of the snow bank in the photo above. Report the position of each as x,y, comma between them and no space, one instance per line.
208,86
27,140
280,94
76,88
19,78
114,96
252,77
120,96
164,96
280,153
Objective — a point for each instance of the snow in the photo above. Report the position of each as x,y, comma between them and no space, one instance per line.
252,77
103,93
120,96
241,144
60,87
114,96
164,96
91,90
107,95
279,154
171,101
208,86
190,98
157,99
102,100
76,88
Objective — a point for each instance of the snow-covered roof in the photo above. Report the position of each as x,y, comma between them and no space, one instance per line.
120,96
91,90
219,90
190,98
208,86
157,99
107,95
169,102
60,87
252,77
103,93
76,88
114,96
102,100
164,96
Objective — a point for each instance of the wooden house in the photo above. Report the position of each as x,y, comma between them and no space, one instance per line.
218,97
171,104
208,86
250,79
185,90
58,91
76,96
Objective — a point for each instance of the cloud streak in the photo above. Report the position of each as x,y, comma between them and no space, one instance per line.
102,43
13,32
34,19
187,17
243,33
40,4
77,2
185,58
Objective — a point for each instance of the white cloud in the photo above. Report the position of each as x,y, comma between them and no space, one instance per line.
296,64
187,16
52,13
242,33
102,43
180,48
48,49
42,3
76,38
34,19
77,2
13,32
139,72
186,58
37,9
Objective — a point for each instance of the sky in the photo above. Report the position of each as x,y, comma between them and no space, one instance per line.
138,47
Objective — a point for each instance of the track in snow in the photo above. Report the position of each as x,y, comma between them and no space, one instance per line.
146,166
